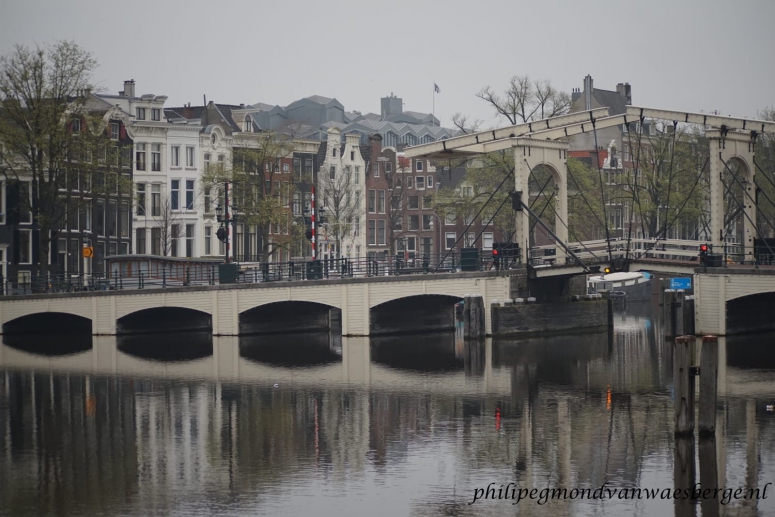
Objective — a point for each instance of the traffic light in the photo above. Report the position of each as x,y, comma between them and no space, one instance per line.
516,201
607,270
221,234
496,258
703,253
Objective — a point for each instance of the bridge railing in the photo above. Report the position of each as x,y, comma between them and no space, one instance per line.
403,264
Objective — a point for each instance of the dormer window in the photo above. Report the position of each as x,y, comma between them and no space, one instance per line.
114,131
248,125
156,114
214,138
140,113
76,125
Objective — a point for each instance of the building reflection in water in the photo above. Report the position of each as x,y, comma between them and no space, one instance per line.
208,425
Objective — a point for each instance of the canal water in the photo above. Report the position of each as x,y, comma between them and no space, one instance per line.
314,424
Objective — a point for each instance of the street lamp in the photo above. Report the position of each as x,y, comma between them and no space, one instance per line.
223,216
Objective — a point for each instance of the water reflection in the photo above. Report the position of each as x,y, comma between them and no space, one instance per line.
50,344
389,426
186,346
296,349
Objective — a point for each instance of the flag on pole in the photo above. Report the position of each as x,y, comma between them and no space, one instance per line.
436,88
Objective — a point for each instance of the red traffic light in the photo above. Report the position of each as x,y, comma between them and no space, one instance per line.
494,252
703,247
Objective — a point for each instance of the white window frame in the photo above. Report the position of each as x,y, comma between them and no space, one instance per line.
429,182
175,156
487,240
190,156
29,246
419,183
418,166
446,239
140,113
156,114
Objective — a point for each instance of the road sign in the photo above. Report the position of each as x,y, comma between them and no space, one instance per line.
88,252
684,283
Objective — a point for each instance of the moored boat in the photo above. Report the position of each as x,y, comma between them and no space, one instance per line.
636,286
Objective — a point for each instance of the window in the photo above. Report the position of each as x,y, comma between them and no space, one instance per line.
286,168
376,169
190,194
372,231
381,202
487,241
450,239
414,202
332,172
155,114
426,222
25,246
358,199
414,223
308,169
247,125
25,202
450,218
140,113
100,217
190,240
123,219
427,202
409,182
208,240
352,156
207,200
470,240
333,152
111,219
174,234
399,222
175,156
372,201
86,214
140,241
468,219
140,157
114,133
381,232
76,125
388,167
156,241
418,165
156,200
207,161
175,195
411,244
467,191
189,156
155,157
430,181
419,182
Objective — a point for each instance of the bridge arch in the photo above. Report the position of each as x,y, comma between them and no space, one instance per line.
750,313
287,316
164,319
49,333
409,314
48,322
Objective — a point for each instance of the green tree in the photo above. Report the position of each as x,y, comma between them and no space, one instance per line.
54,147
259,189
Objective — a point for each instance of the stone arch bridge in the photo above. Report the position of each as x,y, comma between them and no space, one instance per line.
368,306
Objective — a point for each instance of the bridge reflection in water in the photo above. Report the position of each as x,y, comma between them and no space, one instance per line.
207,425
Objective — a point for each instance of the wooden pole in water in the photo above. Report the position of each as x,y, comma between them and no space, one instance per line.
683,385
708,385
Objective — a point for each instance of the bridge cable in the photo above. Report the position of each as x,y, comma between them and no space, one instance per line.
507,176
766,219
678,213
558,218
750,221
764,173
634,186
602,193
581,191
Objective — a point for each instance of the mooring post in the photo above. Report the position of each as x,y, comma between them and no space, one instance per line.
676,313
708,384
683,385
667,307
473,316
684,475
688,315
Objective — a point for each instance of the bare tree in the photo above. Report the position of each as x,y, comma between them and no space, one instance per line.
525,100
397,201
338,196
169,226
53,147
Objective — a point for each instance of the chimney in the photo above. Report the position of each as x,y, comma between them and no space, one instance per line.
129,88
588,88
628,92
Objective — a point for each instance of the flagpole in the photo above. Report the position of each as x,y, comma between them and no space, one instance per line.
433,114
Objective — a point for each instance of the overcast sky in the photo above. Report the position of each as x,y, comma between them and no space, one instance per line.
701,55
